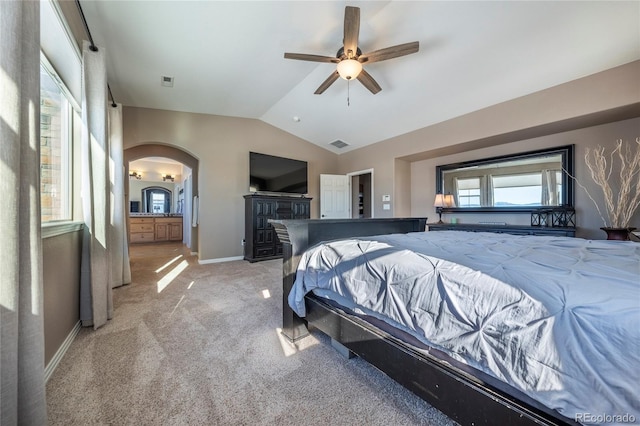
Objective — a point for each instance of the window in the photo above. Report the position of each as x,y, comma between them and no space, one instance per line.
468,192
157,200
55,147
520,190
528,189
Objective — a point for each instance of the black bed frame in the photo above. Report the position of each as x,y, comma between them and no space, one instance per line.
459,395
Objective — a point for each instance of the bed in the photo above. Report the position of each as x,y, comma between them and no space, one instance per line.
553,348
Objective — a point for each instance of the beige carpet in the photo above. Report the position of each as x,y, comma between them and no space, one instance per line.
199,345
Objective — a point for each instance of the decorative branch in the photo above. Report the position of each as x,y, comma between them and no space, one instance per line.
604,221
619,209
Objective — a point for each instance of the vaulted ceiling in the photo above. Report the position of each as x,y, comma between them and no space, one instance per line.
226,58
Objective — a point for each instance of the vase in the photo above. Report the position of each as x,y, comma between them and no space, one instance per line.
620,234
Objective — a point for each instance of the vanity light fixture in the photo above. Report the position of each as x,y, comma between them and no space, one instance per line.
167,177
135,175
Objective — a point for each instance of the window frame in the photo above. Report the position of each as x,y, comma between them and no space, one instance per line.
68,108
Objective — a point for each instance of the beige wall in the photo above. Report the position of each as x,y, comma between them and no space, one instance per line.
61,256
222,145
605,97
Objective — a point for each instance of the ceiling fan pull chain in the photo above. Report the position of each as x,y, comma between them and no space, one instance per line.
348,93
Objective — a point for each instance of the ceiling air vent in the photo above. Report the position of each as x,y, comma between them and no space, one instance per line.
339,144
166,81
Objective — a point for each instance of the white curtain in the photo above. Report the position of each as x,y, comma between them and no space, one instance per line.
186,212
549,185
118,248
486,191
22,391
455,191
96,303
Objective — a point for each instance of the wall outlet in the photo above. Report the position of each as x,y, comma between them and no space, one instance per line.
386,198
242,242
386,207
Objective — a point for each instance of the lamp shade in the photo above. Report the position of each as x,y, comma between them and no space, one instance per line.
443,200
449,201
349,68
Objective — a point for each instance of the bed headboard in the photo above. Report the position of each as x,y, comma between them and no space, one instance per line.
298,235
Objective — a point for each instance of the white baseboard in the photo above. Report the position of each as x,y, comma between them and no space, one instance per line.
50,368
220,260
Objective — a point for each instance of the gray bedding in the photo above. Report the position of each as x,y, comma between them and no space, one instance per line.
556,318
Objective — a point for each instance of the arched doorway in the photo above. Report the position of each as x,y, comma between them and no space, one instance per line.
167,151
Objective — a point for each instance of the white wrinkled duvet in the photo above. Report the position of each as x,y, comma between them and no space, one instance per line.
557,318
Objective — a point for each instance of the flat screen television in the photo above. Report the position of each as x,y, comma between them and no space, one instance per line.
268,173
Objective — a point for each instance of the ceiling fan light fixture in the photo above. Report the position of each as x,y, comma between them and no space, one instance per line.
349,58
349,69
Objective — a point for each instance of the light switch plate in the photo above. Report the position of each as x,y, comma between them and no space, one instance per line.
386,198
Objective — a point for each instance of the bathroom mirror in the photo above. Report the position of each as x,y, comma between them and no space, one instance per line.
156,199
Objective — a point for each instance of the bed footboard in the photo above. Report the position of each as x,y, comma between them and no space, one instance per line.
298,235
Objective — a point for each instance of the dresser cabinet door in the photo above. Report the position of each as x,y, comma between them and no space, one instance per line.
264,232
175,231
261,241
301,210
162,232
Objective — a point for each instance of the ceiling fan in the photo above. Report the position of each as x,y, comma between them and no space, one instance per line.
350,58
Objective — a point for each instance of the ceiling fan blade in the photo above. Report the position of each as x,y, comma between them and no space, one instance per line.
368,82
328,82
351,30
312,58
390,52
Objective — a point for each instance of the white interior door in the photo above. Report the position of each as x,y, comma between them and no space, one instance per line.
335,200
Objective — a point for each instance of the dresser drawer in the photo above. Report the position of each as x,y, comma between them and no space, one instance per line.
141,220
142,237
141,227
264,251
168,220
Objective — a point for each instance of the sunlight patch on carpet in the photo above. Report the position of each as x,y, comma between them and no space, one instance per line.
171,275
167,264
176,307
292,348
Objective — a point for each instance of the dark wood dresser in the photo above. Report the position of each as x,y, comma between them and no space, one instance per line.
504,229
260,241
